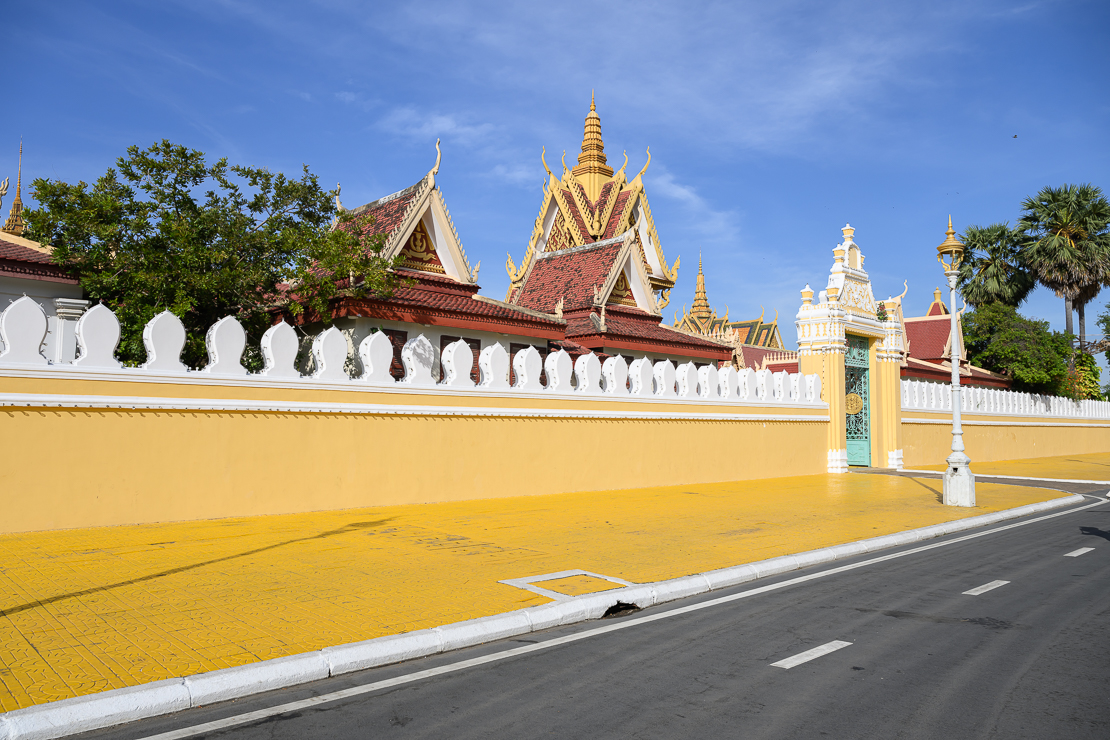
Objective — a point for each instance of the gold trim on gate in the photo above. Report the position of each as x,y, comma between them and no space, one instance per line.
853,404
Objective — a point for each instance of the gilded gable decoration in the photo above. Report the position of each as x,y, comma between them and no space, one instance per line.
419,253
589,203
622,292
419,229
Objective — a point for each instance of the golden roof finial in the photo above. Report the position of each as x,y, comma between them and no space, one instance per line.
701,307
14,224
592,170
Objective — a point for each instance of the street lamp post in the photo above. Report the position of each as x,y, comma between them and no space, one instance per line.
959,482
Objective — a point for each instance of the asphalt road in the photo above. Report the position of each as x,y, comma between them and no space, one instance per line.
1027,659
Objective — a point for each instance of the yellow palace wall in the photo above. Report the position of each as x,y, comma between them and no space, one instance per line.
927,437
80,467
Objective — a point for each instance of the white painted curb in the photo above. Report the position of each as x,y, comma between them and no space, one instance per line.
108,708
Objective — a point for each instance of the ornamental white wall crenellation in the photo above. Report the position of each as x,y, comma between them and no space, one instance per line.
23,326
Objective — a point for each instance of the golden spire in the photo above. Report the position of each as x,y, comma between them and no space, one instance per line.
701,307
592,171
14,224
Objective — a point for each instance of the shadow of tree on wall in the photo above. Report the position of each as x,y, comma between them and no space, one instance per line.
352,527
1095,532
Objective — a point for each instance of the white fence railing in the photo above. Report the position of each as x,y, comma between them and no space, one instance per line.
924,395
23,327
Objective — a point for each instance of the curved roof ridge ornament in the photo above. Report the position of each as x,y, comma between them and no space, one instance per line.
621,170
762,313
564,161
906,285
646,164
543,151
439,155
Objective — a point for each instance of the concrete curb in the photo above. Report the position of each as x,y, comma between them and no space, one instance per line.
108,708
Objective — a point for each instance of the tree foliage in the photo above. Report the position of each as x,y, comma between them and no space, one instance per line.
999,339
1068,248
1083,378
164,230
993,268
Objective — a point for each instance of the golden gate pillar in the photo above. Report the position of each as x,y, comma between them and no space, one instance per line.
856,348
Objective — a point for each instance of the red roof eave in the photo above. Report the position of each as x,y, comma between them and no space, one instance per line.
35,271
522,326
604,342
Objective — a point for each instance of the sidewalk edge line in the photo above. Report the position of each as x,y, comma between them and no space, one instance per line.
144,701
1017,477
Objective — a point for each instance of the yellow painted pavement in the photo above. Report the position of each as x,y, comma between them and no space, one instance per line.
1094,466
88,610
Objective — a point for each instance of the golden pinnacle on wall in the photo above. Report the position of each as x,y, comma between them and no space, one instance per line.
14,224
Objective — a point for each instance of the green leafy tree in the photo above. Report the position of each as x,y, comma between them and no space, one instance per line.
992,269
1083,378
164,230
997,338
1068,248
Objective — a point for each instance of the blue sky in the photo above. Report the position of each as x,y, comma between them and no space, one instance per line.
770,124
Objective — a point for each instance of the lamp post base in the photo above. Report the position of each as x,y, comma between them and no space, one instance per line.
959,481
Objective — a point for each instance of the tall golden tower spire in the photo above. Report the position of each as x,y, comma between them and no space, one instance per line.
701,307
14,224
592,171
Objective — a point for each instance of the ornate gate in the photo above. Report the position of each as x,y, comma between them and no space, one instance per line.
857,401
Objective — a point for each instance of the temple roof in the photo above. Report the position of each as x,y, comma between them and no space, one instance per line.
418,227
625,329
937,307
929,337
438,300
23,258
702,320
570,278
589,203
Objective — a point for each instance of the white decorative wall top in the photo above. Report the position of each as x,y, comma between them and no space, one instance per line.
23,326
924,395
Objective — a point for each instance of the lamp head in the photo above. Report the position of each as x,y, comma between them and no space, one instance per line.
951,251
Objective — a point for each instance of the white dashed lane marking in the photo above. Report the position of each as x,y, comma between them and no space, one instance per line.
985,587
808,655
1077,553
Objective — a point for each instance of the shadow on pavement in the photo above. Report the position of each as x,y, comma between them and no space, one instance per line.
353,526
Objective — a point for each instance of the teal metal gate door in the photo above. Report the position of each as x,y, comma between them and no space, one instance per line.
857,402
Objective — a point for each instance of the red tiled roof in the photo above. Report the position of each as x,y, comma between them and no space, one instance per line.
616,218
578,220
928,336
575,350
439,300
388,212
569,274
591,207
942,372
790,366
603,198
19,261
632,325
753,356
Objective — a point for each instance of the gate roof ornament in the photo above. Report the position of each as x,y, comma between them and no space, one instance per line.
848,306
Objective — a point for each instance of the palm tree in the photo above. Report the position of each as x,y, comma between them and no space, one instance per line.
1068,247
992,269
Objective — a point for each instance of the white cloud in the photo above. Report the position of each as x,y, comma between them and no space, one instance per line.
713,226
409,122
